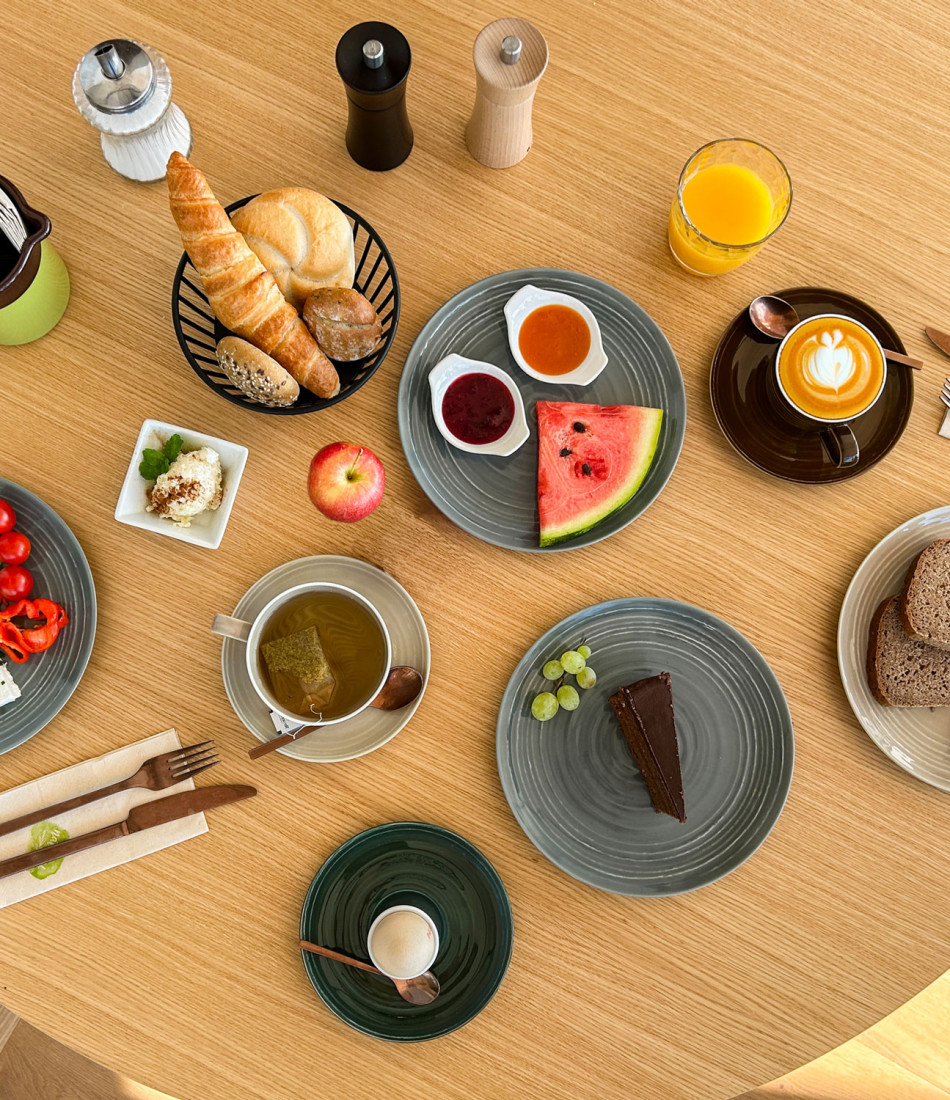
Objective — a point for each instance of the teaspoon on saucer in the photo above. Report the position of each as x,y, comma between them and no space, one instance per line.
774,317
417,991
400,688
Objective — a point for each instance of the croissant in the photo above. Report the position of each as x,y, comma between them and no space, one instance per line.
243,294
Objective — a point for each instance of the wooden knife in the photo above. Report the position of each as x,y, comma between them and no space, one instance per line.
939,339
147,816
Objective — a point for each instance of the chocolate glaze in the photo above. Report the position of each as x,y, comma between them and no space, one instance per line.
645,712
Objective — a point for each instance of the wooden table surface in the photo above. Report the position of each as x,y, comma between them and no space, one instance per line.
181,970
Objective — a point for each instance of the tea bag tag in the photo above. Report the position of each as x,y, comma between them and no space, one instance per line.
282,724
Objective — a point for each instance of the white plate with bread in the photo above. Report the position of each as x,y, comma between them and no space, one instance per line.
284,302
894,646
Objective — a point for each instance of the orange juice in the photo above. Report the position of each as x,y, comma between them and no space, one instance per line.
732,196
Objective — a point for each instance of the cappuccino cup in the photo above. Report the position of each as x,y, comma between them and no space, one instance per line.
828,371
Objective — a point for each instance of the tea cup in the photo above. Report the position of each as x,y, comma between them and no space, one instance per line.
249,633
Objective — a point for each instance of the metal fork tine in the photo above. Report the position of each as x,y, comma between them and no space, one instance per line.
188,765
197,771
945,399
188,750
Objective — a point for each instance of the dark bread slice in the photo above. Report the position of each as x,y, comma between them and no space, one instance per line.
901,671
925,598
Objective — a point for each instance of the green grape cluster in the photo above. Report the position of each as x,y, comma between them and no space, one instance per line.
562,696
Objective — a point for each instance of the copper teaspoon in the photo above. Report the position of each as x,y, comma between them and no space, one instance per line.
774,317
401,687
417,991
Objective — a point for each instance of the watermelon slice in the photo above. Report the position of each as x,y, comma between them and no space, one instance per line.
591,460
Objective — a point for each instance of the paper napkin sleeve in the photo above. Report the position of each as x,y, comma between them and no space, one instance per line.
89,775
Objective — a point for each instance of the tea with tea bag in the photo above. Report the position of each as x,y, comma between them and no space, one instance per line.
322,654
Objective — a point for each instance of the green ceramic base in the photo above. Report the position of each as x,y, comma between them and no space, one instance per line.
408,863
41,306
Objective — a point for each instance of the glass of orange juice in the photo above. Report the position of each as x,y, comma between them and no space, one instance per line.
733,195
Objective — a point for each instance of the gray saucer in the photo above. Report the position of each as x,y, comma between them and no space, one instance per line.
61,573
495,498
572,783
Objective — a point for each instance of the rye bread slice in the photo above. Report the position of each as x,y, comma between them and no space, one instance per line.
903,672
925,598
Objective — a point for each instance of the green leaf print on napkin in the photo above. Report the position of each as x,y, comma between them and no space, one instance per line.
42,836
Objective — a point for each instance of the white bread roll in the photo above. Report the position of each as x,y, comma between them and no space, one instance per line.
301,237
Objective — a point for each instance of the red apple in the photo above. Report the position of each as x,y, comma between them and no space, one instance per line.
346,482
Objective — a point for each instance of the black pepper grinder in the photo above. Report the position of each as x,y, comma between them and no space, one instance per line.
373,60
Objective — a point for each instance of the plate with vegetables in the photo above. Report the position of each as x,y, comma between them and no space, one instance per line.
47,614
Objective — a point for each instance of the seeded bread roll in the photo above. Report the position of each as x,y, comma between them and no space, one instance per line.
925,598
343,323
902,672
263,379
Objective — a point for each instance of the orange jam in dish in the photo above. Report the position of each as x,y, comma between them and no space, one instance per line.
554,339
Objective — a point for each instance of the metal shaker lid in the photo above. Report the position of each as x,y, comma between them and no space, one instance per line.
117,76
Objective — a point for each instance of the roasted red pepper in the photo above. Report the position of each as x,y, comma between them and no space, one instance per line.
11,642
30,639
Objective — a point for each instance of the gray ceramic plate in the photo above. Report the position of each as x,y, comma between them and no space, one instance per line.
916,738
61,573
572,783
495,498
410,641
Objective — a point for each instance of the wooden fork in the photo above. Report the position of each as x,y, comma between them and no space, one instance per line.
154,775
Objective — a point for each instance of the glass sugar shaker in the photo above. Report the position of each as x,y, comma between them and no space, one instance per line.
124,89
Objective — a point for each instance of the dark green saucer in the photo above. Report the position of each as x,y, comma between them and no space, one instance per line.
408,863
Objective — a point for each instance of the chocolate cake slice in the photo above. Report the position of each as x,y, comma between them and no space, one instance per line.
645,713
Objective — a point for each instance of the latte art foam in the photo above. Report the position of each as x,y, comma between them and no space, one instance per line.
831,368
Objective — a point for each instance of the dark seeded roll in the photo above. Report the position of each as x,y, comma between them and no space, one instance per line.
254,373
343,323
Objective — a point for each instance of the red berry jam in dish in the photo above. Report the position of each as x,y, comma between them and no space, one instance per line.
478,408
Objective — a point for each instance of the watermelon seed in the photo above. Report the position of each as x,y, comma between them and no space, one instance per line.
579,427
565,451
586,469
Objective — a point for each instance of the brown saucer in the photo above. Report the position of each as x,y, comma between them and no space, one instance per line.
752,425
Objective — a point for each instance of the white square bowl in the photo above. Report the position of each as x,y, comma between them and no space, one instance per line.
206,529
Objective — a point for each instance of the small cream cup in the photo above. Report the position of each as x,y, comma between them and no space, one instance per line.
404,960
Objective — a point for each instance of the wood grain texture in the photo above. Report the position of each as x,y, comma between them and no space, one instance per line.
180,963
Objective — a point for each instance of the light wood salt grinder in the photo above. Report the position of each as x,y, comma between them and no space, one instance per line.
510,58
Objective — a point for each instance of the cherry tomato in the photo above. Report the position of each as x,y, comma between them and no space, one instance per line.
16,583
14,548
7,517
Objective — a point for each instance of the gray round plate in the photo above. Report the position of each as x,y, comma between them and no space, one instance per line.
572,783
913,737
495,498
61,573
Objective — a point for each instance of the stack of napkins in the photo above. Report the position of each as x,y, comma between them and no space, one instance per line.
89,775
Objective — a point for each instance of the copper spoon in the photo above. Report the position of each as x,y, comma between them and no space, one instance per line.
402,686
417,991
774,317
